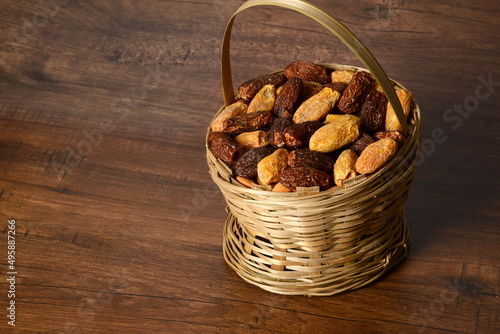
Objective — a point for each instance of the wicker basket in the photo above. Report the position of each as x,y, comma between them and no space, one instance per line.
315,242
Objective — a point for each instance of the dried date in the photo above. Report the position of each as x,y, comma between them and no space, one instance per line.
263,100
246,166
344,167
344,76
338,86
288,99
250,88
334,135
307,72
354,95
223,146
277,131
373,112
298,135
317,106
236,109
394,135
253,139
293,177
248,122
361,143
304,157
391,119
270,168
376,155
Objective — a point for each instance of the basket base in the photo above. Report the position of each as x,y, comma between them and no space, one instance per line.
324,273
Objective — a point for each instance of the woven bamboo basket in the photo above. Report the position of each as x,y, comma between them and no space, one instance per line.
313,242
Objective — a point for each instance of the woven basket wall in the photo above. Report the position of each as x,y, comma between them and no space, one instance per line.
313,242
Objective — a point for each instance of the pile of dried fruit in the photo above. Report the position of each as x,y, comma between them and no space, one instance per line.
307,127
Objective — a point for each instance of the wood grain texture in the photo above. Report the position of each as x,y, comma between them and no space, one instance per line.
103,111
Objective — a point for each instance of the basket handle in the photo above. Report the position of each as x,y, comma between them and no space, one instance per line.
334,26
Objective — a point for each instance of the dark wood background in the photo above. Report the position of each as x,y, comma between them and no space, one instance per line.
103,111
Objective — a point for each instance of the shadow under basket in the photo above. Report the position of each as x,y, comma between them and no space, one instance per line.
313,242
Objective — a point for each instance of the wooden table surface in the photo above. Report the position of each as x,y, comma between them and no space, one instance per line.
118,226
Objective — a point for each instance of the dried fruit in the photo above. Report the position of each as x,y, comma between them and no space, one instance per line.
354,95
317,106
338,86
376,155
246,166
263,100
277,131
310,88
391,120
248,89
333,136
236,109
361,143
373,112
344,167
223,146
395,135
247,122
304,157
289,98
298,135
307,72
252,139
344,76
282,124
270,168
336,118
293,177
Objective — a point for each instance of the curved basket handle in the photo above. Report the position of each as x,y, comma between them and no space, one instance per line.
337,28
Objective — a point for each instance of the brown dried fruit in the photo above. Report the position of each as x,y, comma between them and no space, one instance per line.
376,155
354,95
236,109
333,136
293,177
270,168
307,72
338,86
304,157
246,166
310,88
253,139
247,122
373,112
344,76
298,135
249,88
391,120
277,131
289,98
395,135
263,100
223,146
344,167
361,143
317,106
